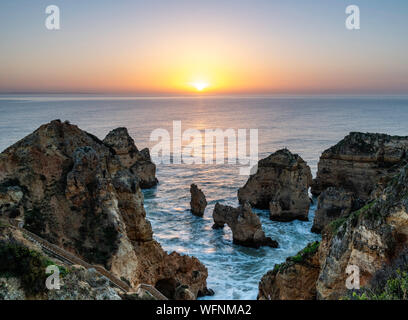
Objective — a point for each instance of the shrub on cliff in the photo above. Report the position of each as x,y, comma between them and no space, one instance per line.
389,283
27,265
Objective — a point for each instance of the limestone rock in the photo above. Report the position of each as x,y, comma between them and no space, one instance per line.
332,204
370,238
359,161
11,198
10,289
245,225
77,194
139,162
293,280
281,184
198,201
83,284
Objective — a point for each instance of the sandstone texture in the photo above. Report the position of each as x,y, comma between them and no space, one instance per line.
332,204
84,195
281,185
358,162
138,162
198,201
370,238
358,167
294,279
245,225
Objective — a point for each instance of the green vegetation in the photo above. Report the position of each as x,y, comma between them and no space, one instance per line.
396,288
309,250
27,265
301,256
335,225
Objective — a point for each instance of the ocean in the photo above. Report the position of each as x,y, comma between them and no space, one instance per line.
306,125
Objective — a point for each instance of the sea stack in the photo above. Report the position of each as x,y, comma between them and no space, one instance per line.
198,201
245,225
281,185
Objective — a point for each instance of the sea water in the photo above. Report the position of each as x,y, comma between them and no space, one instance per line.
306,125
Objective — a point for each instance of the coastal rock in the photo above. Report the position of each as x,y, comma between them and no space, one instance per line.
358,162
10,289
294,279
198,201
245,225
139,162
369,239
82,284
11,198
332,204
281,184
78,195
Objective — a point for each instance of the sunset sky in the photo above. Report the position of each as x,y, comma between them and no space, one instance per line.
217,46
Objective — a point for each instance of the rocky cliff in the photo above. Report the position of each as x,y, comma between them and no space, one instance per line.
294,279
359,161
355,171
370,239
332,204
281,185
84,195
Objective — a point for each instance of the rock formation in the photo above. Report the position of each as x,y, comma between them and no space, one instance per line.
359,167
370,239
138,162
245,225
25,265
280,184
293,280
332,204
83,195
358,162
198,201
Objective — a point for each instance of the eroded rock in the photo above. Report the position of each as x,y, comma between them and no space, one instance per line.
281,184
294,279
245,225
139,162
332,204
78,195
198,201
358,162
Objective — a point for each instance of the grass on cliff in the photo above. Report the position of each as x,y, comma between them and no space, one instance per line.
300,257
335,225
396,288
27,265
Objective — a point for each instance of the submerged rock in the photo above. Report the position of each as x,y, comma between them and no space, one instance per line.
245,225
281,184
198,201
139,162
80,194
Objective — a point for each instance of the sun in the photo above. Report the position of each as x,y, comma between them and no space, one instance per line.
200,86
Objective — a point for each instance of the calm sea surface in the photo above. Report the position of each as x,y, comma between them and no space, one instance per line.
305,125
